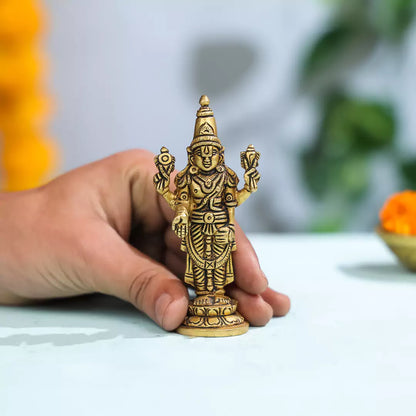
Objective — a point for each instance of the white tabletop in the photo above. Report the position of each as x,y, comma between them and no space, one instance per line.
348,346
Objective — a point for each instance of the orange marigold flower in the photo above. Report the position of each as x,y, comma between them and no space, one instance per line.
21,113
27,161
398,214
20,19
27,154
21,69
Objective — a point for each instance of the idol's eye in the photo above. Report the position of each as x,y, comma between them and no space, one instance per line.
214,151
198,152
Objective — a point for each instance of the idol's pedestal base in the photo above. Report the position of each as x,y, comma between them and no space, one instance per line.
213,316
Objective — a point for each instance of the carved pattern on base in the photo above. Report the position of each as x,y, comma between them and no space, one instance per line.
212,311
212,305
213,321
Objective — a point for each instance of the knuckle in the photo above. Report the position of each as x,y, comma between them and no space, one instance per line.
140,285
135,154
132,163
130,158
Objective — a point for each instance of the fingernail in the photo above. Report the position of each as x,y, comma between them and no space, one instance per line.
175,313
162,303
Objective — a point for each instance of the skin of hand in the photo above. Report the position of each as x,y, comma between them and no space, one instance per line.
103,228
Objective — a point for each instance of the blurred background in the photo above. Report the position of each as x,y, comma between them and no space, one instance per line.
325,90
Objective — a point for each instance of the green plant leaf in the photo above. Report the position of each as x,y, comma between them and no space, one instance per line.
350,131
352,179
346,176
327,225
333,55
408,170
316,172
359,126
392,18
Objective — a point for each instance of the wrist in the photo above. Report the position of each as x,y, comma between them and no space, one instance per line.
181,211
247,188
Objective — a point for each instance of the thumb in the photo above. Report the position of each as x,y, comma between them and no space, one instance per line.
131,275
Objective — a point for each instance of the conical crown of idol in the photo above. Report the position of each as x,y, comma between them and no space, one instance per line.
205,132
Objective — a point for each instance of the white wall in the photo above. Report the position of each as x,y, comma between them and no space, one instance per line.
129,74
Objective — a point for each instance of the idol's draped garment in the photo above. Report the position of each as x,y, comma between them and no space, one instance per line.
209,264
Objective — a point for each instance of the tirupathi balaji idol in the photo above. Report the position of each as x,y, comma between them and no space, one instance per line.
204,200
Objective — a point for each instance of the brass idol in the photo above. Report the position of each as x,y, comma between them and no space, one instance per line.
204,200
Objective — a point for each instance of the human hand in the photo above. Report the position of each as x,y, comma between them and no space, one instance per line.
103,228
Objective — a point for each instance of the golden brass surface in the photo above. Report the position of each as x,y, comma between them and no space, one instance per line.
226,331
204,201
403,246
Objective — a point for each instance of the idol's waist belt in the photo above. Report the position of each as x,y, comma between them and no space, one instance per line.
209,217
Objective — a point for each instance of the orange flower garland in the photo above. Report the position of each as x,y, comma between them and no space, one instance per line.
27,154
398,214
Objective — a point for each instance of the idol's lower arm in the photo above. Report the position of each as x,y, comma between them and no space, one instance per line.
169,197
231,215
181,209
242,195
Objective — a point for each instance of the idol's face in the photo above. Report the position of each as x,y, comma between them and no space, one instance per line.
206,158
